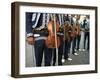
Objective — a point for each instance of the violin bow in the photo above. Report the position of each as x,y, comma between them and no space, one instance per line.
56,40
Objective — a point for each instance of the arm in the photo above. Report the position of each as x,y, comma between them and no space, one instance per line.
29,24
30,38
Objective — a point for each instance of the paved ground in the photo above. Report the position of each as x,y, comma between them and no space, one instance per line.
82,58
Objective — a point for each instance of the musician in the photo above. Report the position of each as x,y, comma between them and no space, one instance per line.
53,50
64,47
67,42
37,21
74,25
78,37
86,25
61,49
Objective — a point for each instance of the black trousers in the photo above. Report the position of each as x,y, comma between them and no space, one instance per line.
78,41
40,48
67,45
74,45
86,36
60,54
49,54
52,55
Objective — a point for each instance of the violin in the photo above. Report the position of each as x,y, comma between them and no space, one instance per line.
68,31
53,41
78,29
75,31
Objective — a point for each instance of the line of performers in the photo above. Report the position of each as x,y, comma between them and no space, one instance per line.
53,34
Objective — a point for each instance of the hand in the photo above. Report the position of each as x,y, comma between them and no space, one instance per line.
30,40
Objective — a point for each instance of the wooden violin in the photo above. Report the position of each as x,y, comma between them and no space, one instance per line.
53,41
68,31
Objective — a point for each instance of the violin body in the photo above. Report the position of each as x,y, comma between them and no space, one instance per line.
50,41
76,30
78,26
68,32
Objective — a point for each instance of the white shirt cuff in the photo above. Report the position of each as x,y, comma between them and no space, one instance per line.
29,34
